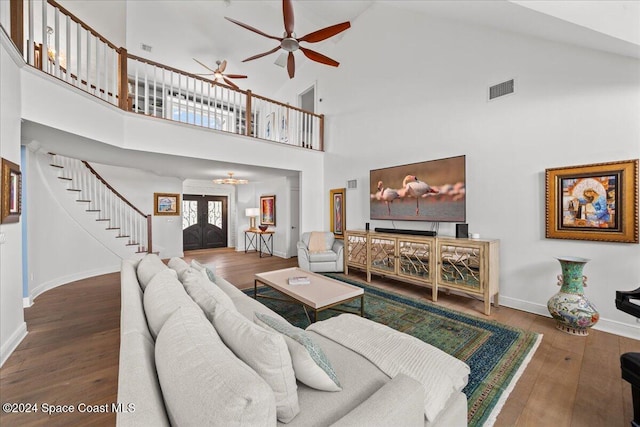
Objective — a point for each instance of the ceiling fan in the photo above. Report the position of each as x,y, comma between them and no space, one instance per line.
290,43
218,73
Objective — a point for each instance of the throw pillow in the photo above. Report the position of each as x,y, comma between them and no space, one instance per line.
163,296
310,364
208,269
178,264
265,352
203,383
148,267
205,293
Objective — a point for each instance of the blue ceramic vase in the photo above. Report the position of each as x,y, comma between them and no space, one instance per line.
573,312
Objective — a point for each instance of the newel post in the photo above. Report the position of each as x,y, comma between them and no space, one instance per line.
321,132
16,10
149,239
248,115
123,80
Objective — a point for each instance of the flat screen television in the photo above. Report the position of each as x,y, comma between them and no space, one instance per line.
433,190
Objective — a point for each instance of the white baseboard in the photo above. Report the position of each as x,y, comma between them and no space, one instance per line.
13,342
27,302
54,283
605,325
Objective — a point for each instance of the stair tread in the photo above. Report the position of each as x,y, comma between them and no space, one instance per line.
113,228
73,189
81,200
123,236
56,166
92,210
65,178
103,219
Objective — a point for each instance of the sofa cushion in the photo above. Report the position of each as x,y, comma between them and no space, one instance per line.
148,267
264,351
205,293
163,296
132,317
228,288
203,382
323,256
247,306
310,364
318,240
178,264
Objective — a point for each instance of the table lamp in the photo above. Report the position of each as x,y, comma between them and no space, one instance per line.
252,213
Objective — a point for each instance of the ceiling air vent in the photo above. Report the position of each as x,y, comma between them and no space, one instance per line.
501,89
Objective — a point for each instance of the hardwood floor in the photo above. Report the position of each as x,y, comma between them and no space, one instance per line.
70,355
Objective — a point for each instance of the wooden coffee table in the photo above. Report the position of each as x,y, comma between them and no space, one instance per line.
323,293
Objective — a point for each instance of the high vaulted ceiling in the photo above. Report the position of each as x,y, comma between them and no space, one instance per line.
180,30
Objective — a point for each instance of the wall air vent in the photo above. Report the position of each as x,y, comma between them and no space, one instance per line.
352,183
146,47
501,89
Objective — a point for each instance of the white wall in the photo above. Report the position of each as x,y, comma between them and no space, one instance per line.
12,326
59,249
422,94
106,17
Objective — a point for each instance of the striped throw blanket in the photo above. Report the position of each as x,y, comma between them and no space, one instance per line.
394,352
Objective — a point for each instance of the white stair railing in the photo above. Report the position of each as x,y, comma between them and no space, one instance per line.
118,214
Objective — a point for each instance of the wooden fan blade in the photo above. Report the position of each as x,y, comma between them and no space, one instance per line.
205,74
325,33
222,66
260,55
318,57
235,76
230,83
213,71
287,13
250,28
291,65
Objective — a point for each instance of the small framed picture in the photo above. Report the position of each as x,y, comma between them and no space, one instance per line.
166,204
337,213
593,202
11,198
268,210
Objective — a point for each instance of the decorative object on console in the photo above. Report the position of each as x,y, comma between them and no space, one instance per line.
462,231
263,228
268,210
337,212
231,180
252,213
11,198
290,43
166,204
433,191
593,202
569,307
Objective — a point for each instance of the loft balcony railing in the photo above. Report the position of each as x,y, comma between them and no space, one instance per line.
55,41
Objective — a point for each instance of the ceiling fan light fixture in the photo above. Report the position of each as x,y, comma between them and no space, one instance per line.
290,44
231,180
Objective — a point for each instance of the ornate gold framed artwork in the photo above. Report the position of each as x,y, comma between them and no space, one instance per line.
593,202
337,213
166,204
11,197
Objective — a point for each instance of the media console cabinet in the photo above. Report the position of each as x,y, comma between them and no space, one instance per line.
467,265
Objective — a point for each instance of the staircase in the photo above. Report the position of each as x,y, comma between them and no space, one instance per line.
96,206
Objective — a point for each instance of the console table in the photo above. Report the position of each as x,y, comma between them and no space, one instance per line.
467,265
256,239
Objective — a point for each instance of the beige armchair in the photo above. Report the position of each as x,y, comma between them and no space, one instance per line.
324,255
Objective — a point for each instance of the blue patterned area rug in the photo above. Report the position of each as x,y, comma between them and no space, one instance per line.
497,354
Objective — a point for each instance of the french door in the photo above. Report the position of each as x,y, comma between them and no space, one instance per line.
204,222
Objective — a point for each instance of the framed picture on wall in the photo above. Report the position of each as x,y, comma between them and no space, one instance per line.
593,202
270,126
166,204
11,197
337,213
268,210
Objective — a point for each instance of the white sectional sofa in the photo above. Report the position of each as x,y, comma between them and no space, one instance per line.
193,353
